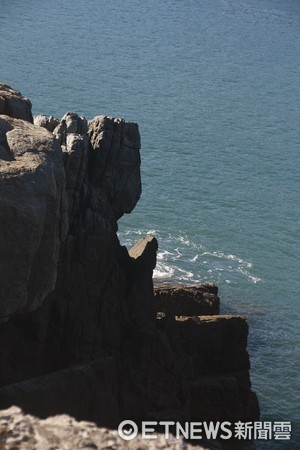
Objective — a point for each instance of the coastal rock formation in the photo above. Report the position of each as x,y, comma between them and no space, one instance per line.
13,104
83,336
26,432
50,123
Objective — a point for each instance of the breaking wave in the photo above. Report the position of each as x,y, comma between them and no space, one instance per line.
183,261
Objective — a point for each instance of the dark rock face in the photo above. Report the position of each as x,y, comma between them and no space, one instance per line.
212,351
54,393
82,335
196,300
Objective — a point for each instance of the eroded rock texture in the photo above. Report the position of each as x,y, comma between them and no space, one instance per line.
82,335
64,433
102,304
13,104
33,219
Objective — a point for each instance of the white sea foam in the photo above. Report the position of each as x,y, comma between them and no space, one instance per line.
163,254
180,259
185,273
251,277
163,272
178,253
151,232
183,240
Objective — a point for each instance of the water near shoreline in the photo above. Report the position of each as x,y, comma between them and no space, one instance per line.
214,86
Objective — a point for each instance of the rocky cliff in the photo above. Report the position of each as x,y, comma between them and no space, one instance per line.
81,330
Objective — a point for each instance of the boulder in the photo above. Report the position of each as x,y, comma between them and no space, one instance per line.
50,123
13,104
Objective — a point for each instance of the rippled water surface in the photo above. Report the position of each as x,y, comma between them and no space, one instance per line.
214,86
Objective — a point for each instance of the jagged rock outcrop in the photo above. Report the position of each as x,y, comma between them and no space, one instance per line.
13,104
82,336
26,432
50,123
115,164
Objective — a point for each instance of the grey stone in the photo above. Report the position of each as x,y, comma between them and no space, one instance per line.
13,104
50,123
33,219
115,162
20,430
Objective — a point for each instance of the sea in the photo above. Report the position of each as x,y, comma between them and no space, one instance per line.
215,88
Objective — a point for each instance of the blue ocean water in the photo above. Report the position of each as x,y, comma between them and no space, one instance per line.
214,86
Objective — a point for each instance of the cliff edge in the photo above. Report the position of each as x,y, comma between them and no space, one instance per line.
82,331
